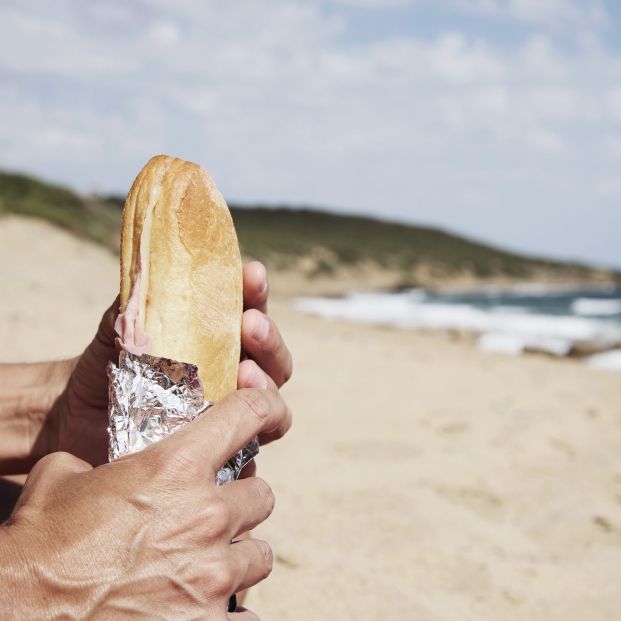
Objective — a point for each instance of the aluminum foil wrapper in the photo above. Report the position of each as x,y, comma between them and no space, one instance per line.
150,398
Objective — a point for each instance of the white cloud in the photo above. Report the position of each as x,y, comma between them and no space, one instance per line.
283,103
164,32
608,187
544,140
614,98
557,14
375,4
614,146
585,14
541,60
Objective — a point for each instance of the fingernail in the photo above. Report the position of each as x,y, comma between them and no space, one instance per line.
261,328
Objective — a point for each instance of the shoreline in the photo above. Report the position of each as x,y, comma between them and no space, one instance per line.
493,319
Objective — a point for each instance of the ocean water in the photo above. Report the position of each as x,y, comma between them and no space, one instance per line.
524,318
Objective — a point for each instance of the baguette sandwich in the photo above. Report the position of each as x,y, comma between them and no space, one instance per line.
181,273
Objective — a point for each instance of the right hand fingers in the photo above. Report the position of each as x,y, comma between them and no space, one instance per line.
252,562
250,375
262,341
229,425
249,501
255,286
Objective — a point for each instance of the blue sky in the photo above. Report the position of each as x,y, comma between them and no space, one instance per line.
500,119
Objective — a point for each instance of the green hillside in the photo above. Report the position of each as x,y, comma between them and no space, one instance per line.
282,236
94,218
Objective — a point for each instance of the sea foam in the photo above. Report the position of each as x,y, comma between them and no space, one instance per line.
607,361
596,307
503,328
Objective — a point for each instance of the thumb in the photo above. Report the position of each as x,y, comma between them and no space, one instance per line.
89,381
105,333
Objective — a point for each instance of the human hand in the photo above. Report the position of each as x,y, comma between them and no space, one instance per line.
148,535
79,419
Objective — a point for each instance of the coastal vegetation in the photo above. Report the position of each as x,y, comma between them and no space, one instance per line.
318,243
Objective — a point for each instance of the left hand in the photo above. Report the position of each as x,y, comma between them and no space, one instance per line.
78,422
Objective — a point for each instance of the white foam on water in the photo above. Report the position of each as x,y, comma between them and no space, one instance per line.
501,343
500,308
501,328
596,307
514,344
608,361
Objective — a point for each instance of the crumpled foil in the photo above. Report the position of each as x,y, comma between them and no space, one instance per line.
150,398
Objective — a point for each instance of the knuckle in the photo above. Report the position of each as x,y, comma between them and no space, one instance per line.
221,578
284,424
61,461
216,517
52,468
43,464
255,402
38,470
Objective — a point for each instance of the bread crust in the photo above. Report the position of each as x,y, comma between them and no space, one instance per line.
178,234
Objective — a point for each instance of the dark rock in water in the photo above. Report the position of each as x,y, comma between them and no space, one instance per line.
584,350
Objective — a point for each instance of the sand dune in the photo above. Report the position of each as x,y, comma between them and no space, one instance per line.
422,480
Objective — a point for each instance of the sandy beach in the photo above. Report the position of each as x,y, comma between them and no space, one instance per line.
423,479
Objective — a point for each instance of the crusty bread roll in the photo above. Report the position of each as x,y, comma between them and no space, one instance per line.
181,273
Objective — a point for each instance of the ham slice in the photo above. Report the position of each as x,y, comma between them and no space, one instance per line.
132,337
